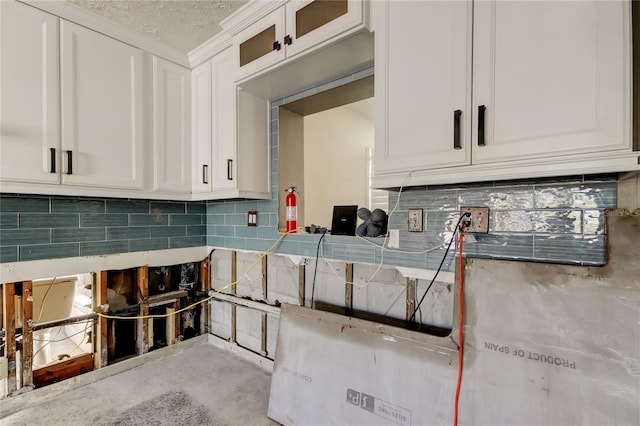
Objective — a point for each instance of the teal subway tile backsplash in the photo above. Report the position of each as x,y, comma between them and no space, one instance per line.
130,233
27,204
168,231
110,219
127,206
51,220
72,205
67,235
168,207
148,219
41,227
19,237
95,248
8,254
185,219
8,220
49,251
149,244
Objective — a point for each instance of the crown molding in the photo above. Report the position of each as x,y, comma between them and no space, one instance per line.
248,14
209,49
95,22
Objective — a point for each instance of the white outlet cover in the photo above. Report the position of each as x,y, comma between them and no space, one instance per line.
394,238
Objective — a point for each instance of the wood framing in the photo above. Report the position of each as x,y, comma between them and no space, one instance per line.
63,370
9,322
100,333
234,278
411,296
348,289
205,287
27,334
301,284
142,284
170,326
264,278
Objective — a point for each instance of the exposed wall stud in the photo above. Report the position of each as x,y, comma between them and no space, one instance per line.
170,326
263,335
9,322
100,340
234,278
205,287
301,284
411,296
143,324
27,334
348,296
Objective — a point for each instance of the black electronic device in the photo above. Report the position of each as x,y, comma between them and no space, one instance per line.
344,220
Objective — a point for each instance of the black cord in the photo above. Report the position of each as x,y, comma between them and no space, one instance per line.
453,237
313,287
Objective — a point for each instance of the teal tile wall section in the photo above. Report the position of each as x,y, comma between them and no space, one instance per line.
40,227
557,220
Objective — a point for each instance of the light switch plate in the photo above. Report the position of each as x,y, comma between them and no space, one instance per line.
415,220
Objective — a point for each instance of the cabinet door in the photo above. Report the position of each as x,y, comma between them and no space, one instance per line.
102,110
553,78
223,131
29,110
311,22
171,126
201,128
260,45
422,85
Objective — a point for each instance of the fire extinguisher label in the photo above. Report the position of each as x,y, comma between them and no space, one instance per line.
291,213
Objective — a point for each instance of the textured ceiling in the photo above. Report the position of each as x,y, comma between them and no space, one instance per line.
183,24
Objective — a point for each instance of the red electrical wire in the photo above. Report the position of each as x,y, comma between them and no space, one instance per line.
460,327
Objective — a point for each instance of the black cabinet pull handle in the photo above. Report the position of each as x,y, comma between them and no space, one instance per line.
53,160
276,45
229,169
288,40
69,162
456,129
481,110
205,169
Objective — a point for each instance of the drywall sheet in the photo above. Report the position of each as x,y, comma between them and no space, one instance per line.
545,345
554,344
331,369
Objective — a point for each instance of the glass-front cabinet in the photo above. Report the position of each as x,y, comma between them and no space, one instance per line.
294,28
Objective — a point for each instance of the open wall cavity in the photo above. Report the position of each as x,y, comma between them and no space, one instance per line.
60,327
250,287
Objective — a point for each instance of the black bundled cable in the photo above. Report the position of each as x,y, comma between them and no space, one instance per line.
453,237
315,270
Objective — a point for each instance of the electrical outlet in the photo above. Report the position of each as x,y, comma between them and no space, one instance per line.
479,219
252,218
394,238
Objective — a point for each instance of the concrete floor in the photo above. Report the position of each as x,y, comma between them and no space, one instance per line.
198,384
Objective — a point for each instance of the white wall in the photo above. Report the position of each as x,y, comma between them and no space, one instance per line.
335,143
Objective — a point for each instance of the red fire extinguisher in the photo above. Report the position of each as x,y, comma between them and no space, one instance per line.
292,209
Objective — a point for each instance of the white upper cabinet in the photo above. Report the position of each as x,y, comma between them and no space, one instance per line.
546,91
29,83
201,128
223,123
171,127
102,110
296,27
230,135
552,78
422,85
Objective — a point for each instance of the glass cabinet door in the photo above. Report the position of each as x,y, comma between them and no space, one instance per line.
260,45
318,13
313,22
